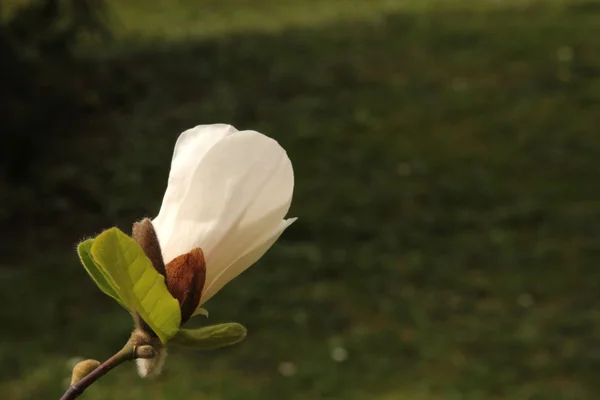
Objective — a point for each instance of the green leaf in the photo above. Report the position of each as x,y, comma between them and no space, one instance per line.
95,272
211,337
137,283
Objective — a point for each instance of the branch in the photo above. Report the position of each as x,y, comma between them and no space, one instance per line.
127,353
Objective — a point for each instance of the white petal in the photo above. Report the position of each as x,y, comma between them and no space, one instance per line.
263,215
240,190
252,255
191,147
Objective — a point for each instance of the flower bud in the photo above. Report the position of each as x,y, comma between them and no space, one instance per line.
83,369
145,351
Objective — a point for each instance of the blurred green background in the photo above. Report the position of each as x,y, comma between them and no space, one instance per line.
447,157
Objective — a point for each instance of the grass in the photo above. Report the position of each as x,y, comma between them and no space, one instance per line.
446,164
184,18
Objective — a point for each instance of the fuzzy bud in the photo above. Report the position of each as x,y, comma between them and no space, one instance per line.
83,369
150,353
152,367
145,351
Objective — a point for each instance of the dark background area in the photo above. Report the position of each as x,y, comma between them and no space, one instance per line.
447,170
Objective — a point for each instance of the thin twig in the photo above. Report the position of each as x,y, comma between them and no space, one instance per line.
127,353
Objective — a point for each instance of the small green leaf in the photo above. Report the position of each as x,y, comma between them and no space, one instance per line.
137,283
200,311
95,272
211,337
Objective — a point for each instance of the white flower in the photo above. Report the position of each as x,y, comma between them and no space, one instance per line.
228,194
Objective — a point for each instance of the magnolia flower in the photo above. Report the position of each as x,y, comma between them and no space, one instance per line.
227,195
224,207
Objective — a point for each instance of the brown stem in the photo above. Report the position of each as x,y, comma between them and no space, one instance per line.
127,353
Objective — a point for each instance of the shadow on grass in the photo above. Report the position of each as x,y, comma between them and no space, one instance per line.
445,187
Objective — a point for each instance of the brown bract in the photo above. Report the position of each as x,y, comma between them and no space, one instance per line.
186,275
144,233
